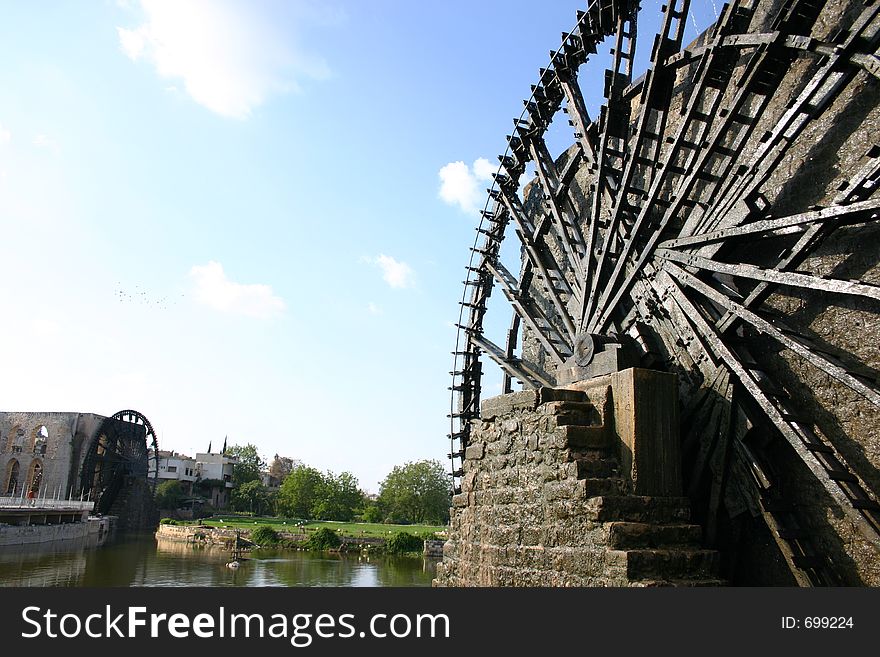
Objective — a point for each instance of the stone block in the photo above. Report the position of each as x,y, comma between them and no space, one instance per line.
462,499
506,404
648,535
510,426
575,437
664,564
560,394
644,409
475,451
499,447
565,490
636,508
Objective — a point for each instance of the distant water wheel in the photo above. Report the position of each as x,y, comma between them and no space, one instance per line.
718,220
117,452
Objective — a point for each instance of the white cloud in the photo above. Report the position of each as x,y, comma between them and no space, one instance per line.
483,169
229,60
374,309
215,290
460,184
43,141
5,135
396,273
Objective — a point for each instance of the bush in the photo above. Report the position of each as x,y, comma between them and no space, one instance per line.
404,542
265,535
372,513
168,521
169,495
323,539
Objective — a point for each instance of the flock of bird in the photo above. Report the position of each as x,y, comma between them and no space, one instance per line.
141,297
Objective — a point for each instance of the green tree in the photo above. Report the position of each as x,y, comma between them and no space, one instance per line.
203,486
372,512
250,463
169,494
300,492
251,496
282,466
416,492
338,497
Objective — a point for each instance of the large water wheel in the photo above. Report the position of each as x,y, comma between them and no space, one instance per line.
717,219
125,445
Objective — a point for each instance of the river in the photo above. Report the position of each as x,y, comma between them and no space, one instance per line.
142,560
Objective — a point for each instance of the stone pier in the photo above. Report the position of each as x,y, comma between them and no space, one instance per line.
576,487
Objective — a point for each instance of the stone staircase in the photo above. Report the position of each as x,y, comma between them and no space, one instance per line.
650,539
545,501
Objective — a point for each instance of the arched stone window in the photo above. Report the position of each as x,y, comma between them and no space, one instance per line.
14,433
35,476
40,440
16,439
10,481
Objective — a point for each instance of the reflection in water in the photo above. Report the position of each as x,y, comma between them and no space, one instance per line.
141,560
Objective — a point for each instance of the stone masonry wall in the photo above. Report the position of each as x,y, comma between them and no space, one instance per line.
543,504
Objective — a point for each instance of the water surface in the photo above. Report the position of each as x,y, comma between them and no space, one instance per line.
142,560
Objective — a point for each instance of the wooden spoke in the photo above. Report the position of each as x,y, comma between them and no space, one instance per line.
717,211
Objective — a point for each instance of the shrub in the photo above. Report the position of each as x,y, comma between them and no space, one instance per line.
323,539
169,495
265,535
404,542
168,521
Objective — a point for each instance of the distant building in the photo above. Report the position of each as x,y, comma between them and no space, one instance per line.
174,466
216,467
270,481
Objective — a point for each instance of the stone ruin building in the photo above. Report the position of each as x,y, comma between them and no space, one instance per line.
82,456
695,316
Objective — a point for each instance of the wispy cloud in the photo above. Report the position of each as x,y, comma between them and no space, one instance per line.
374,309
460,184
42,141
229,59
46,142
396,273
215,290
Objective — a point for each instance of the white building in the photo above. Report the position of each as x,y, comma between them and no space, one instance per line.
174,466
216,467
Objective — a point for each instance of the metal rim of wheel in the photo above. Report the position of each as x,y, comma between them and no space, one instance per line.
110,456
664,226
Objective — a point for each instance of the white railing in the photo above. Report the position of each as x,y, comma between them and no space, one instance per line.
20,502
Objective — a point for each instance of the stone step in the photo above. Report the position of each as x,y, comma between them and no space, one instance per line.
630,535
665,564
596,466
678,582
639,508
545,395
602,486
579,437
573,413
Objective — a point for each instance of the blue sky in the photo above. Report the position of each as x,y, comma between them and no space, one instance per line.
252,218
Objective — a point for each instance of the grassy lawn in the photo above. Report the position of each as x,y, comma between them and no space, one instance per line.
347,528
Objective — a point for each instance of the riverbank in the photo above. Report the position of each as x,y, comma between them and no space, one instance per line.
207,535
204,535
92,531
290,525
